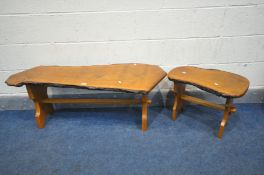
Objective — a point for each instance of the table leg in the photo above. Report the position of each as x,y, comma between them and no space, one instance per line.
38,93
178,102
224,121
144,113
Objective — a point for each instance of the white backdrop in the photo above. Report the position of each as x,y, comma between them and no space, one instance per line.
226,34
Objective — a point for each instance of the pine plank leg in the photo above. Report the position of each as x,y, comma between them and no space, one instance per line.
178,102
40,115
224,121
144,113
37,93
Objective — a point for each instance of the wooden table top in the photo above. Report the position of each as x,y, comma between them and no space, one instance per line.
139,78
219,82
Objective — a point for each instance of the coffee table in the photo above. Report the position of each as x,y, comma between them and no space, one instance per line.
131,78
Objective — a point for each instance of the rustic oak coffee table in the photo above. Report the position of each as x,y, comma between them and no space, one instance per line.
221,83
135,78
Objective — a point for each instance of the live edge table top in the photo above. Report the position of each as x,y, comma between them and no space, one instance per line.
138,78
219,82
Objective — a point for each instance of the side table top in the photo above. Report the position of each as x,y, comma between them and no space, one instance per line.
219,82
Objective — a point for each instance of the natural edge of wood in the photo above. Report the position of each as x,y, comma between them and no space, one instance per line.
84,87
207,89
77,87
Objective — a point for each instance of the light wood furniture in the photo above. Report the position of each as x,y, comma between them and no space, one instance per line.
221,83
135,78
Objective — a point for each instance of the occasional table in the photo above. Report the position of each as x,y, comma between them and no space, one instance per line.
221,83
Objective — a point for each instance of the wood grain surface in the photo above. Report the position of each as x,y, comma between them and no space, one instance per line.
219,82
139,78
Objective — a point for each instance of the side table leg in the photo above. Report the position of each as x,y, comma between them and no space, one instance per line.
178,102
225,118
